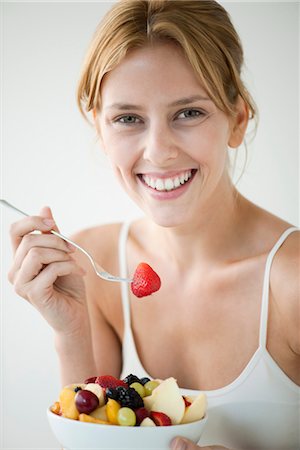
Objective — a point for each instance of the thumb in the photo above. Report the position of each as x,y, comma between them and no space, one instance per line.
46,213
180,443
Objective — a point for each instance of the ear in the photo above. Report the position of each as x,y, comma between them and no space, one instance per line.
239,123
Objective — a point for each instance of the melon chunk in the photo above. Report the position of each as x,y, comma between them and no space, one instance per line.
167,399
196,410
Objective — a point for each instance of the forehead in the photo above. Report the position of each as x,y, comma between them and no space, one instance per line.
160,70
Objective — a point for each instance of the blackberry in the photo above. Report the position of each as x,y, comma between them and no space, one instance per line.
126,397
131,379
144,380
112,393
130,398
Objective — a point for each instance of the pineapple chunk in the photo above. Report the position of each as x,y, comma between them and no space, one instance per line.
67,403
90,419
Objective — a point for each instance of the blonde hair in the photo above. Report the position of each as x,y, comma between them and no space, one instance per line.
201,28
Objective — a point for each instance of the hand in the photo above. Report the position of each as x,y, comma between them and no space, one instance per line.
184,444
45,274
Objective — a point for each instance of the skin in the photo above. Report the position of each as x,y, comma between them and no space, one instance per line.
210,243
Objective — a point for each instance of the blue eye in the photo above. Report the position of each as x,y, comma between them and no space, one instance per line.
190,114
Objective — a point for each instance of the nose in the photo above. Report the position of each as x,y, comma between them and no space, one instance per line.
160,146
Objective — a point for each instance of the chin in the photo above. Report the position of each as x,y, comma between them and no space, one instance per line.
169,220
165,215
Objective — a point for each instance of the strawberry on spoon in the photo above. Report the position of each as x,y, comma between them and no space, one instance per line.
145,281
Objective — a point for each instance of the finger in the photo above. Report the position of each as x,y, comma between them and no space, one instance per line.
46,213
30,241
27,225
180,443
35,261
42,287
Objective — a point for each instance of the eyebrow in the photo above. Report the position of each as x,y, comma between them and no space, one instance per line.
192,99
181,101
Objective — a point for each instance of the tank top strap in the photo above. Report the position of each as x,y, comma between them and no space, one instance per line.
124,272
266,287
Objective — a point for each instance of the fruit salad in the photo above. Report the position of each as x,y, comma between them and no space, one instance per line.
132,401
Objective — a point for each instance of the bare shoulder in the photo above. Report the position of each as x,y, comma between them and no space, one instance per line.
101,241
285,271
285,286
99,233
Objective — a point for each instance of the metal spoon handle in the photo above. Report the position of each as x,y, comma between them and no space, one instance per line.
5,203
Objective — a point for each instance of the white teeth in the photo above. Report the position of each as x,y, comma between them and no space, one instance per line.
152,183
167,184
176,182
159,185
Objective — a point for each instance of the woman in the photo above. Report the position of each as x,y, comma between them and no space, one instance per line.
162,83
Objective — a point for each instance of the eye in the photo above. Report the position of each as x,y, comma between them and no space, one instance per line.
190,113
128,119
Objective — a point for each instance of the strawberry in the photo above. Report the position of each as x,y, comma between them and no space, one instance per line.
145,281
141,414
108,381
160,419
186,401
90,380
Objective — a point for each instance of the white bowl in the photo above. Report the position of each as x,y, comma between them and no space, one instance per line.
74,435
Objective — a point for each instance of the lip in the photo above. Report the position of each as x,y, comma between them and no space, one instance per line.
167,195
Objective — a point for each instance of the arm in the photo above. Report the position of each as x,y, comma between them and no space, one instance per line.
95,348
103,303
93,351
47,273
285,289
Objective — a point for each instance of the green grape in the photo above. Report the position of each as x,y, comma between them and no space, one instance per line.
139,388
126,417
150,386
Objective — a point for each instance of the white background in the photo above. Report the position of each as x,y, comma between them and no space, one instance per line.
49,156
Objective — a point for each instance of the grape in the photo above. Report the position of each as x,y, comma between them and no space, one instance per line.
139,388
141,414
126,417
86,401
150,386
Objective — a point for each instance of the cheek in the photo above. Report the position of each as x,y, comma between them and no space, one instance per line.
119,151
209,148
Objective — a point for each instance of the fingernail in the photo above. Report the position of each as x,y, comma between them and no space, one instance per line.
71,247
178,444
48,222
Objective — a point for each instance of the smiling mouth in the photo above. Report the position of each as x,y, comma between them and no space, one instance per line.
170,183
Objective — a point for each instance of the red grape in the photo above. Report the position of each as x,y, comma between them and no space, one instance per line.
141,414
86,401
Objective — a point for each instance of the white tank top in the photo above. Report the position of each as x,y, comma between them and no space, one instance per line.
260,409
